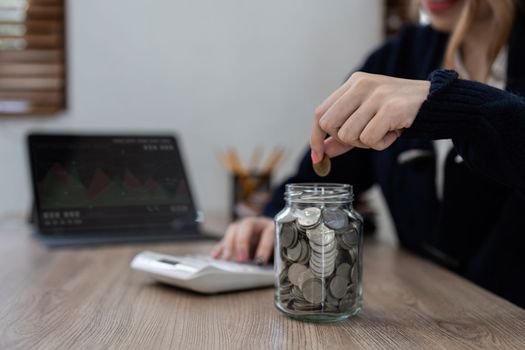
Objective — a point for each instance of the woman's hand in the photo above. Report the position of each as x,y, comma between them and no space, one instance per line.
368,111
245,237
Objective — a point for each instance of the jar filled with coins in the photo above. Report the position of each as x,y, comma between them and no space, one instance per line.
318,257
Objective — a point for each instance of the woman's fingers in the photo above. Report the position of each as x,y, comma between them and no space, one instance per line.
379,132
242,236
318,134
316,142
339,112
330,100
266,244
333,148
389,139
246,230
350,131
228,241
216,252
332,114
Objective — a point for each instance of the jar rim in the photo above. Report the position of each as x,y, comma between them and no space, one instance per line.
319,192
309,185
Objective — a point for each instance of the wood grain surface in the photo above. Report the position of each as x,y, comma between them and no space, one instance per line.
89,298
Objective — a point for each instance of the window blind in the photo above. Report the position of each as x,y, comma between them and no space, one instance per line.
32,57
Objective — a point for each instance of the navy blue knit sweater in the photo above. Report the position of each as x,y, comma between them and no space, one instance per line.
478,228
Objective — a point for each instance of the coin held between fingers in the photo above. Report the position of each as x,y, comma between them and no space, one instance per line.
323,167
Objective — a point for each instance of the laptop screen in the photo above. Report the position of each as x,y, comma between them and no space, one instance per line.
94,183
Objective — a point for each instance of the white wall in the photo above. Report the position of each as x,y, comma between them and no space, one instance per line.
220,73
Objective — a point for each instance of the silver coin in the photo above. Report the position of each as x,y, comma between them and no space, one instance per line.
284,299
343,270
340,244
305,256
302,256
315,263
353,274
325,257
338,286
314,291
296,293
346,304
343,257
351,290
323,248
331,308
300,230
322,260
321,235
288,235
305,252
323,275
353,254
334,218
293,253
331,299
319,266
308,217
283,275
284,293
315,267
349,237
325,253
294,271
285,287
306,306
322,268
317,271
322,271
328,249
304,276
356,225
329,271
287,217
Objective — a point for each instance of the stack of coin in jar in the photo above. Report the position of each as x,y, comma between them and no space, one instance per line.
319,260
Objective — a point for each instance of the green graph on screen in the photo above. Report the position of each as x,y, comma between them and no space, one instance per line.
63,187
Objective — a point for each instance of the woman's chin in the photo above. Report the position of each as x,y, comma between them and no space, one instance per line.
443,14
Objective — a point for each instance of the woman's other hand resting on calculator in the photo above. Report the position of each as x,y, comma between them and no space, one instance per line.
247,239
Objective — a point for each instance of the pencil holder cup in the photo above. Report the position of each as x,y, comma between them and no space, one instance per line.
250,194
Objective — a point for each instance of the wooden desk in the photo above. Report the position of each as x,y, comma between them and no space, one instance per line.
90,299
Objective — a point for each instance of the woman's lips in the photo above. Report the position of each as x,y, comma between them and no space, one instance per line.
438,5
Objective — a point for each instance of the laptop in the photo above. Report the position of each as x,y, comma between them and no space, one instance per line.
106,189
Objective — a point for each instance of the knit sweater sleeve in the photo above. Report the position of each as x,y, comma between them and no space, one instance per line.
486,125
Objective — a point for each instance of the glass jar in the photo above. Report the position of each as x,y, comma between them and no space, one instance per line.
318,255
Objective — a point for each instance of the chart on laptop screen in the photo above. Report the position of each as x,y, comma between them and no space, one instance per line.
101,180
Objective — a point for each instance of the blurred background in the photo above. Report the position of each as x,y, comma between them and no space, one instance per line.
227,74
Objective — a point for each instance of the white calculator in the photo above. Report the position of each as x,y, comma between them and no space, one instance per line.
203,274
